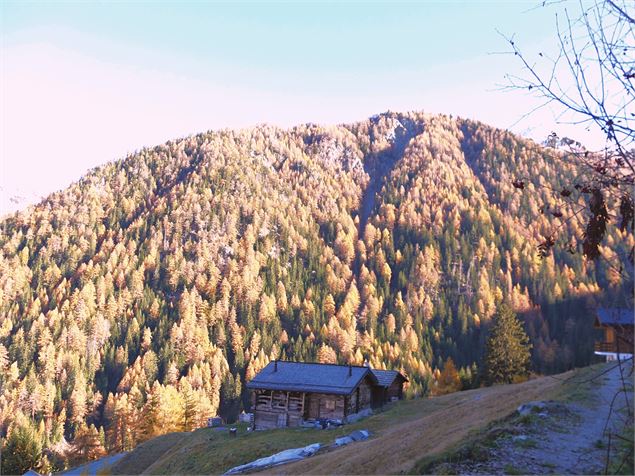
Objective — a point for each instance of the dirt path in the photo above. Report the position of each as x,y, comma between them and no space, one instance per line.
581,447
397,448
561,438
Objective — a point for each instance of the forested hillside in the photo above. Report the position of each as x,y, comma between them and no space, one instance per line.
141,299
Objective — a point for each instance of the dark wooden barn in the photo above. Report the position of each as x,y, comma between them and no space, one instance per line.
389,386
288,393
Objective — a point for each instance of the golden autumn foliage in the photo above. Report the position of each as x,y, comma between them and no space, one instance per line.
160,284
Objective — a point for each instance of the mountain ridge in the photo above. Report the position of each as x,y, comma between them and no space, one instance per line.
158,284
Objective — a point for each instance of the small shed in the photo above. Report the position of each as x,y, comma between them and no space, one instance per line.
389,386
618,332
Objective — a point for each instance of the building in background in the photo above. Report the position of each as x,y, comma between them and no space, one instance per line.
290,393
618,333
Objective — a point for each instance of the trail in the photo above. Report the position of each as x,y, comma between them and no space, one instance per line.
580,448
568,438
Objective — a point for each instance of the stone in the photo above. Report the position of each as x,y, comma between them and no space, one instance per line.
531,407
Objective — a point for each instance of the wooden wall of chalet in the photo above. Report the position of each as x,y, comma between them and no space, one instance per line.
396,388
276,409
360,399
379,396
322,405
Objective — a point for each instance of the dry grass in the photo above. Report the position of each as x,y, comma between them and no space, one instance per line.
146,454
397,448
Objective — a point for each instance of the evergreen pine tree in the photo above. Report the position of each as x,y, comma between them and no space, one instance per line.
152,423
22,451
507,349
190,406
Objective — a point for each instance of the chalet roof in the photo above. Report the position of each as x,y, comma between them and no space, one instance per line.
385,378
310,377
615,317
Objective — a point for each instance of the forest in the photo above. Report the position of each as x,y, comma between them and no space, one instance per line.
141,299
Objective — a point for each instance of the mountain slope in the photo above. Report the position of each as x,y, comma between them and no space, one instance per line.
143,297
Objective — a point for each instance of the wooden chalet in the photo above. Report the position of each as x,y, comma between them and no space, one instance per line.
618,333
288,393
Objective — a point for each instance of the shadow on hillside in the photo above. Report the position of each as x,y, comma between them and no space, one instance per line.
379,165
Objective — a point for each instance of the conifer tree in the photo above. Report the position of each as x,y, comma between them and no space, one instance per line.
22,451
151,423
508,349
190,406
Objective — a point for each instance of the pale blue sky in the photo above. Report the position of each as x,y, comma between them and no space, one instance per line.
83,83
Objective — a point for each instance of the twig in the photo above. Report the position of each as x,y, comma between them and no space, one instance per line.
608,456
628,406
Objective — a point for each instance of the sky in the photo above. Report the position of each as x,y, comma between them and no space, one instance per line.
84,83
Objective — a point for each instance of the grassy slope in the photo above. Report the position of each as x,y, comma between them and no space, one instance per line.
432,426
147,453
402,435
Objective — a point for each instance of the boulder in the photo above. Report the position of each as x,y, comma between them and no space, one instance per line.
344,440
532,407
359,435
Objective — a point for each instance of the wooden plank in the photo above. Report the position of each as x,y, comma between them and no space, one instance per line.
279,400
331,406
295,420
265,420
314,405
264,399
303,401
282,420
